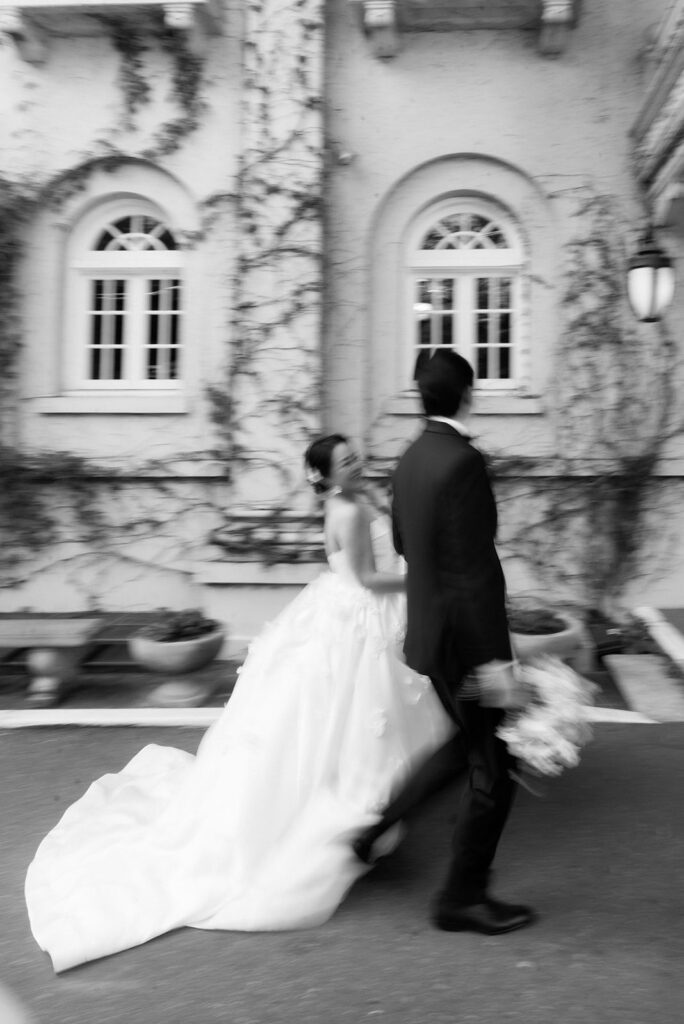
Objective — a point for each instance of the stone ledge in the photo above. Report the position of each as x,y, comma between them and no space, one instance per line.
667,636
280,574
156,404
514,402
644,683
384,21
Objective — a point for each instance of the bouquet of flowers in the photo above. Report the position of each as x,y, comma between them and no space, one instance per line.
546,735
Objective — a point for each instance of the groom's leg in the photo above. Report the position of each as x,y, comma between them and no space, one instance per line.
484,808
431,776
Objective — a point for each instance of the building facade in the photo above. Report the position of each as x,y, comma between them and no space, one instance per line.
229,226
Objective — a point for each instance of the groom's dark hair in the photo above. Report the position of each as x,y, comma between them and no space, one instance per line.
319,456
442,380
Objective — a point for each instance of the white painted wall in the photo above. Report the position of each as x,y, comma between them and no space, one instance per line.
553,126
56,115
559,123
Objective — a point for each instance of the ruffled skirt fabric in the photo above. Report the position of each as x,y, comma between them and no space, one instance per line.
253,832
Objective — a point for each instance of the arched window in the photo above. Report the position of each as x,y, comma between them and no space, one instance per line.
464,262
125,314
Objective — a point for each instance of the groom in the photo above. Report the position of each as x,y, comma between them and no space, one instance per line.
444,520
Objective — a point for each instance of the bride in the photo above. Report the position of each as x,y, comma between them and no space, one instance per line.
254,832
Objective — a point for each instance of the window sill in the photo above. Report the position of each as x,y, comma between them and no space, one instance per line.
485,403
105,404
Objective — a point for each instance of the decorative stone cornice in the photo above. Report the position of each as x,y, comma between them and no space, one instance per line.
669,33
383,20
179,15
658,131
558,17
29,41
194,18
182,16
380,25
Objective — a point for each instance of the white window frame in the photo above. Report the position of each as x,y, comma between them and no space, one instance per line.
465,266
85,265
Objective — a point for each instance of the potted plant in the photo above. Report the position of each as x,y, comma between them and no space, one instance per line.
538,629
175,644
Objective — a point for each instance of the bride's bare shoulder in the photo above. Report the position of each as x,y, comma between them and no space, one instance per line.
347,516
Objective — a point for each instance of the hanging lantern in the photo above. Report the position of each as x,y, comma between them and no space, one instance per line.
650,280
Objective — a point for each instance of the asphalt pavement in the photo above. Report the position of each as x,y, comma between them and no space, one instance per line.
599,856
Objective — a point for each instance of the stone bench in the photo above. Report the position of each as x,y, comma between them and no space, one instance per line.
55,648
58,644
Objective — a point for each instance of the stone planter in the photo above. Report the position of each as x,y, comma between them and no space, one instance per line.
55,647
177,658
566,643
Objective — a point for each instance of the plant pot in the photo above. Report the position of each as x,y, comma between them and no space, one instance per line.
565,643
177,658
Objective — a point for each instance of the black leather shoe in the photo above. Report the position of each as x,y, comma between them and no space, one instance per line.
363,845
489,917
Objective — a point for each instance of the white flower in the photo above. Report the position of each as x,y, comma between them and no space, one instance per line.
314,476
547,735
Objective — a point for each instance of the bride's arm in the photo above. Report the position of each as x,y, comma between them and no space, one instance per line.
355,538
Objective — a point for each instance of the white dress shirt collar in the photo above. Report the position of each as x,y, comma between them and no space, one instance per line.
456,424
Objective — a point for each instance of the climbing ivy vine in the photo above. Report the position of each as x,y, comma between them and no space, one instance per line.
583,521
45,491
273,383
277,199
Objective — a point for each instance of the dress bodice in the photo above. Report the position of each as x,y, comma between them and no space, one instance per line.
386,558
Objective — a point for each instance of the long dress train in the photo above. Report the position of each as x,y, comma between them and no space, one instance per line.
251,833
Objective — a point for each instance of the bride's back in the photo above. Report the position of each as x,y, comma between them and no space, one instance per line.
353,526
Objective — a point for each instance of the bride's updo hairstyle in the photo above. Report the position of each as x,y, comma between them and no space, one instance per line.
318,460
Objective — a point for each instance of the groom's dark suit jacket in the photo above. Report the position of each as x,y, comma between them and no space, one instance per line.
444,520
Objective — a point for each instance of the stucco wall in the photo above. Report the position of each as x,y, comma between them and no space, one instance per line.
70,110
240,190
480,110
561,124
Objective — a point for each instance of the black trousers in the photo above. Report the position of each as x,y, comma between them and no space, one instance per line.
485,801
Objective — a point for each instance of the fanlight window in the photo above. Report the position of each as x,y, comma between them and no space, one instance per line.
135,234
465,284
129,297
465,231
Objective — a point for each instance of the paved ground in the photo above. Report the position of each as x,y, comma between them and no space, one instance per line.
600,856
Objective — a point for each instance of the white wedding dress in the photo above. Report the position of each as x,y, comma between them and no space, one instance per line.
252,833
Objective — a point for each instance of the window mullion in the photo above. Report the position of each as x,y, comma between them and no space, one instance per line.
137,330
164,331
466,318
109,328
516,302
493,334
85,304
